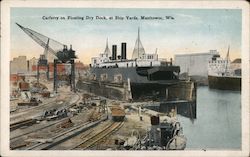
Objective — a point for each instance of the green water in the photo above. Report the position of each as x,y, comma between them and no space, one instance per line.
218,123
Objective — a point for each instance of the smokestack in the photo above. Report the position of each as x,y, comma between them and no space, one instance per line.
124,51
114,50
28,65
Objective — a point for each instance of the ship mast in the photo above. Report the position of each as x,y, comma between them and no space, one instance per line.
107,51
138,40
107,43
138,49
227,59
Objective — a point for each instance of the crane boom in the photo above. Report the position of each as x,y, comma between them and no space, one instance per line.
42,40
63,55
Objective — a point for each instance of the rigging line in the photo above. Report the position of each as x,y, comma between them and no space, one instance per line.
32,32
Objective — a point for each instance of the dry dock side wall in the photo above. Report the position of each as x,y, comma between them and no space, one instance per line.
180,91
101,89
185,103
180,96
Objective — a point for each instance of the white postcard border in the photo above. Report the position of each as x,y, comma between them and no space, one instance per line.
5,58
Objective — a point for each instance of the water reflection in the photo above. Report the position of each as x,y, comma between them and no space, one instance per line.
218,123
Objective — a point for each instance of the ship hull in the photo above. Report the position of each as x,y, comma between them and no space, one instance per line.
164,74
181,90
224,83
138,83
181,95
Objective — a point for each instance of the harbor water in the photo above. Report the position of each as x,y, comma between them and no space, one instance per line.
218,123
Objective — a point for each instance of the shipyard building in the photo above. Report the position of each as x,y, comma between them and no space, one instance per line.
24,70
195,64
19,65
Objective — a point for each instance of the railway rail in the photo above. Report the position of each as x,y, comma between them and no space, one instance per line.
92,140
52,142
39,109
21,136
40,106
66,135
19,124
30,121
38,129
32,108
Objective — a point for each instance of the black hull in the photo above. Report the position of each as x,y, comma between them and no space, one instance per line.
181,94
224,83
160,91
140,84
166,74
179,90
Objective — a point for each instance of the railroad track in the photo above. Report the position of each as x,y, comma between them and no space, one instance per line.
37,111
32,108
41,145
76,139
66,135
30,121
94,139
24,134
45,127
22,113
19,124
38,129
41,106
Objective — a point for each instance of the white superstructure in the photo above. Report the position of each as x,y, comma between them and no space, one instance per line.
147,60
221,67
139,57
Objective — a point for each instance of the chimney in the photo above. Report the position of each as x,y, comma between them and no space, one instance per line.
155,120
28,65
124,51
114,50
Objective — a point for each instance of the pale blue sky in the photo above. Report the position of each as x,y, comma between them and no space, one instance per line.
191,31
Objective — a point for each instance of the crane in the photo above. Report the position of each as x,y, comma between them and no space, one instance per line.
60,53
42,40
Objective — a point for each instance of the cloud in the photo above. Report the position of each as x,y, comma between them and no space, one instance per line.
189,19
187,32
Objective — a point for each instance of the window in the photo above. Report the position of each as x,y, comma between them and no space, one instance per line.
104,77
118,78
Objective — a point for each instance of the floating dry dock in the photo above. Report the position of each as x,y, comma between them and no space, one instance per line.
144,77
181,95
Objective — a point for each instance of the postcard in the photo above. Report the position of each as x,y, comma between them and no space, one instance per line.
125,78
